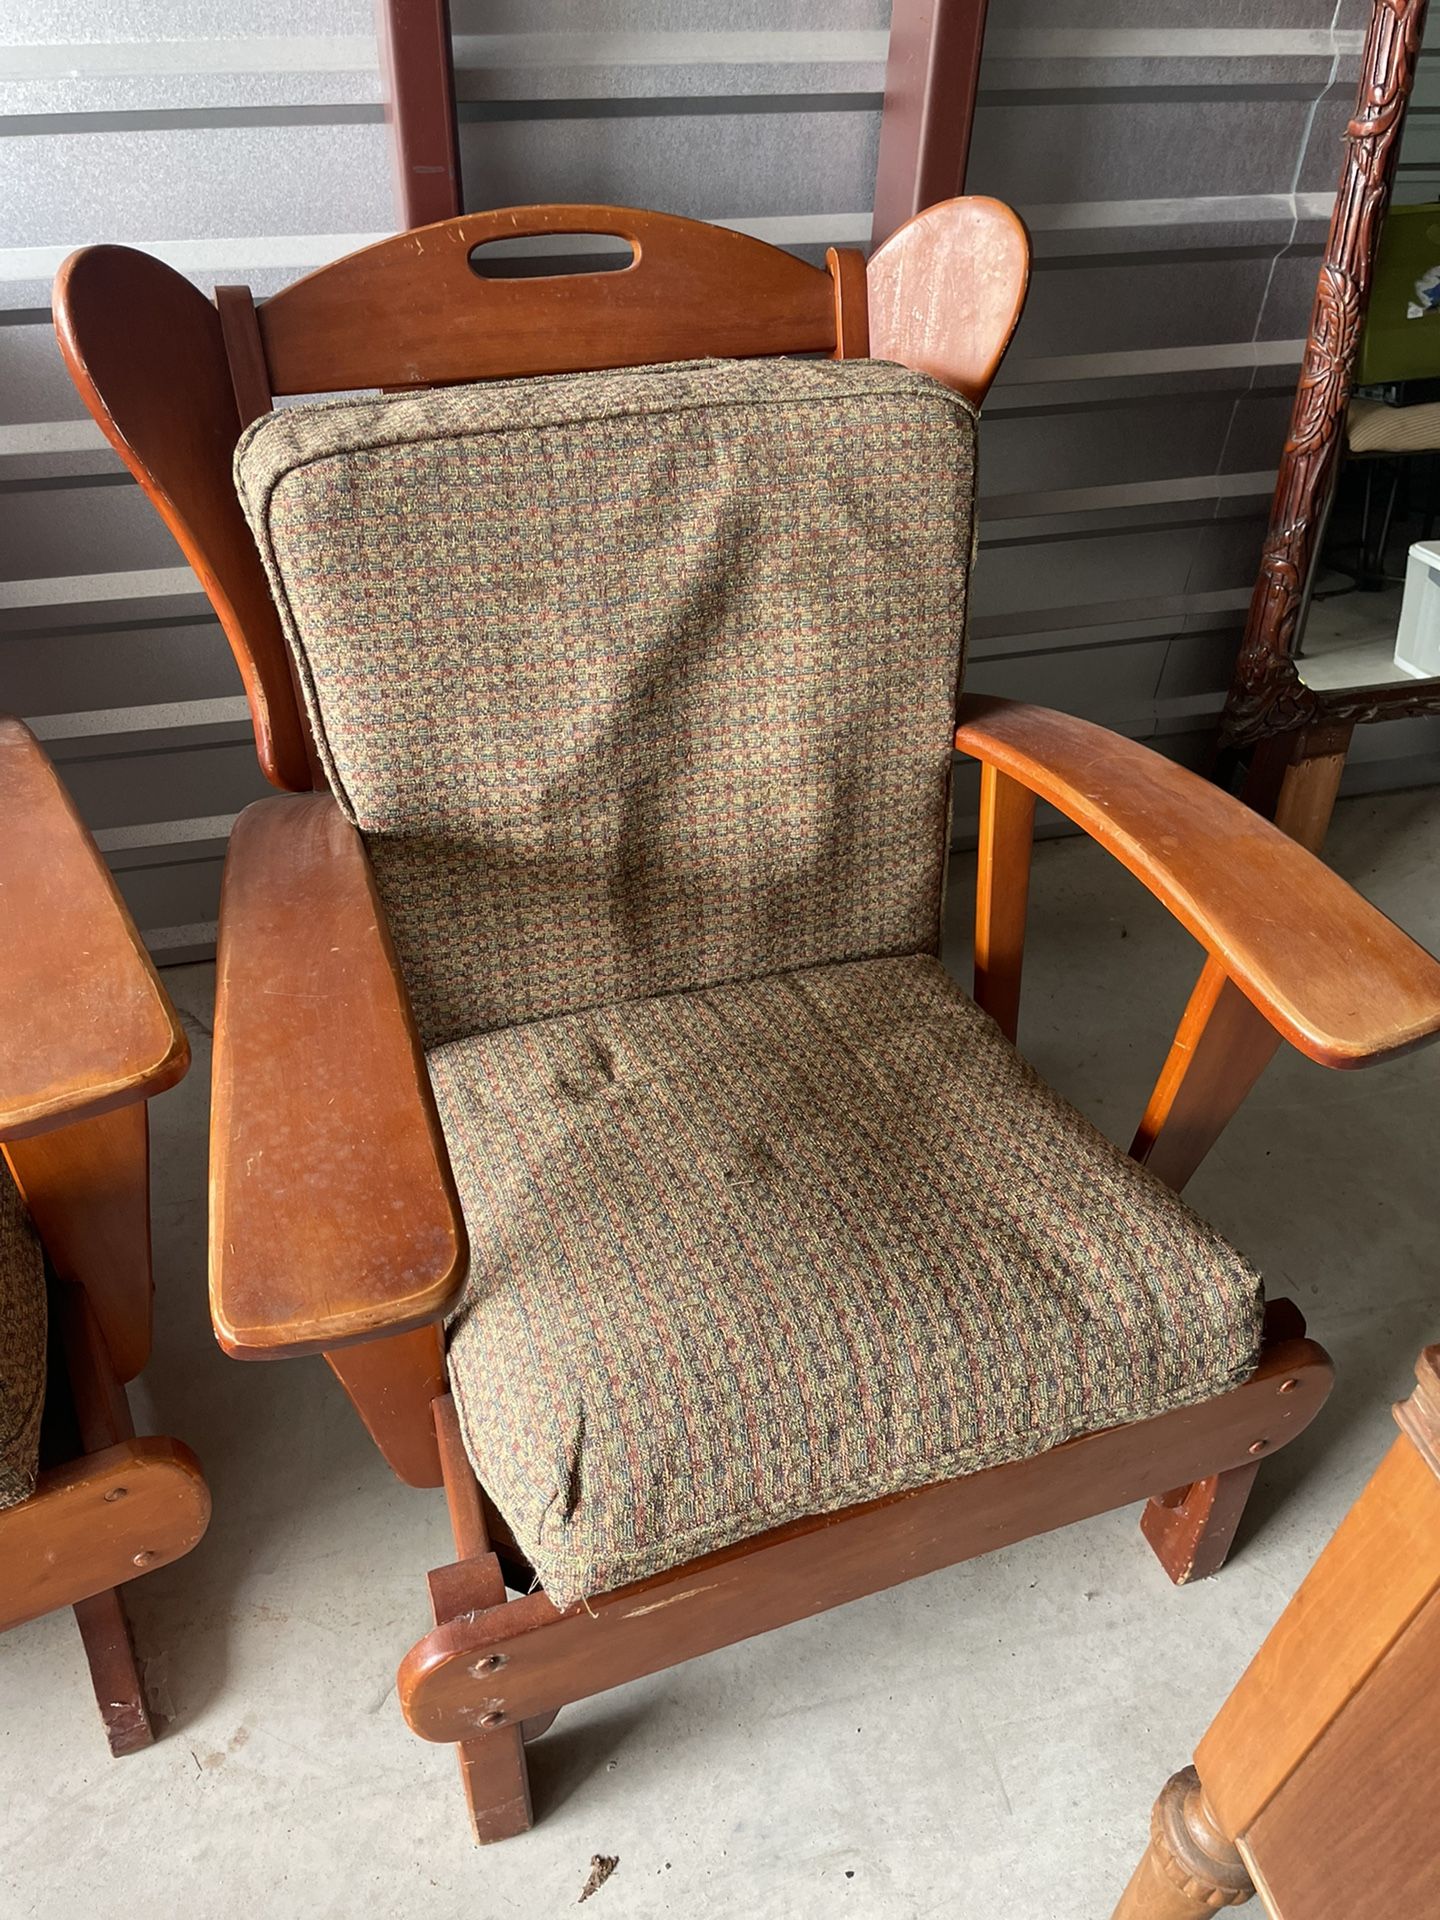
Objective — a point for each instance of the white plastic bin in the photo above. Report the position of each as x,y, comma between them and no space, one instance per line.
1417,645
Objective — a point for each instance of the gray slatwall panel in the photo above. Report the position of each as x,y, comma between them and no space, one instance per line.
250,149
1176,172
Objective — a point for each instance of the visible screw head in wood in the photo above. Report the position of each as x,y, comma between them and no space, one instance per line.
1259,1446
116,1493
487,1663
492,1719
1288,1386
146,1557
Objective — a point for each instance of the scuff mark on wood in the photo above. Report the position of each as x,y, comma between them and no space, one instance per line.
690,1593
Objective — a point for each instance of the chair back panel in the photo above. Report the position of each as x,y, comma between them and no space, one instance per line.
412,311
633,681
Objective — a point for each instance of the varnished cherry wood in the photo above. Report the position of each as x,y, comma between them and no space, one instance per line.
333,1212
114,1671
1330,973
87,1187
947,291
97,1522
411,311
1002,894
146,350
1377,1573
240,330
552,1657
1222,1046
852,312
493,1769
85,1025
393,1384
1192,1531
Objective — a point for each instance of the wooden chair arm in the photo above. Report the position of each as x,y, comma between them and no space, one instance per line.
333,1213
85,1025
1329,972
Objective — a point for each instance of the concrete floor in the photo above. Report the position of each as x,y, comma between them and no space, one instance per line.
984,1744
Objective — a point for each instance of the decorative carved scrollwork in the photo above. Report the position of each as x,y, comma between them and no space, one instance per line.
1267,695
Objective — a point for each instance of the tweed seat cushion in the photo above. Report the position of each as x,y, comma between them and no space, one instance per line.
772,1248
22,1345
633,681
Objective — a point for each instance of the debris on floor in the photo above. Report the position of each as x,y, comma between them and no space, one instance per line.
602,1865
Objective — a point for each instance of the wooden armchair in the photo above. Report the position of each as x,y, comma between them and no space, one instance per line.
86,1035
779,1278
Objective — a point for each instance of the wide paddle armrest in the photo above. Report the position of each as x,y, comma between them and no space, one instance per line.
85,1025
1329,972
333,1213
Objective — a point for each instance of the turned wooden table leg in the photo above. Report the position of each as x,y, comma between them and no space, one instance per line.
1189,1869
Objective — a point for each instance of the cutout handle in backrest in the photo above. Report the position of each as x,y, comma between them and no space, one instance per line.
412,310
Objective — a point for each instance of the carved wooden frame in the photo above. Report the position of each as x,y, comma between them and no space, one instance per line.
1267,696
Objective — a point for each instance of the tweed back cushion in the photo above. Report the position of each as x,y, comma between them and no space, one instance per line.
633,681
769,1249
22,1345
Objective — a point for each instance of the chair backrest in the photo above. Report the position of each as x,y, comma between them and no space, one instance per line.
173,378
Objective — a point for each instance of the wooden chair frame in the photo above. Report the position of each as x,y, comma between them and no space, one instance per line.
87,1033
314,1037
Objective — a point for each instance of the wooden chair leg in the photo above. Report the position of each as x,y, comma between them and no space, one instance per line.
1192,1528
114,1671
493,1768
1189,1868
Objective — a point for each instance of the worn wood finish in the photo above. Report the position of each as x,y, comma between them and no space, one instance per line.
947,291
393,1384
333,1212
114,1671
1330,973
85,1025
411,311
1221,1047
1190,1869
1311,783
1376,1575
88,1190
417,84
550,1657
1193,1529
493,1768
1002,895
931,74
1352,1831
146,350
1267,696
97,1522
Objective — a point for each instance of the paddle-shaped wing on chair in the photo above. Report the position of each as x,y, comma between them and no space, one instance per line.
609,957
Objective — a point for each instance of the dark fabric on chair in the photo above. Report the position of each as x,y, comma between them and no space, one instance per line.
22,1345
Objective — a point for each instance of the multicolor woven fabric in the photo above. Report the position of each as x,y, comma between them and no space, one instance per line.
772,1248
22,1345
633,681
